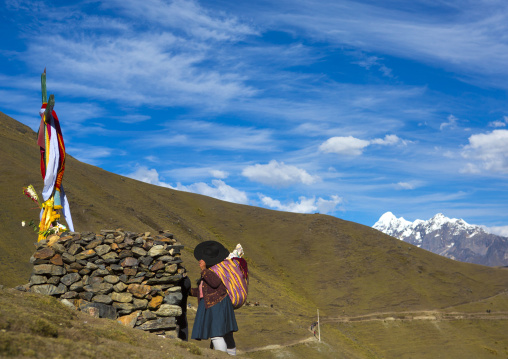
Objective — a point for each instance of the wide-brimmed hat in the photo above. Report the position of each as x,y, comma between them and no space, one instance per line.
212,252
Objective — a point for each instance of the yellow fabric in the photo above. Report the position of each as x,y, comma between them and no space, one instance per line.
48,217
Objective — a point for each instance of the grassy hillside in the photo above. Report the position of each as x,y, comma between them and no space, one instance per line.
298,262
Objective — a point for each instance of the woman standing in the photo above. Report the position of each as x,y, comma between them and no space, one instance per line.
215,317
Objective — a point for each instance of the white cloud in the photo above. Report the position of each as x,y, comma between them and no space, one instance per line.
354,146
219,190
344,145
186,15
219,174
489,151
498,230
147,175
92,154
304,205
499,123
408,185
278,174
388,140
452,123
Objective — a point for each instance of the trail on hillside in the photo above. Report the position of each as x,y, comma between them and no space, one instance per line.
429,315
417,315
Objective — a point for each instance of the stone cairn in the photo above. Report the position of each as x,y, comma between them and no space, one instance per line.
131,277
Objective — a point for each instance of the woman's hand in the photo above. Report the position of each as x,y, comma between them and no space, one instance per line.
202,264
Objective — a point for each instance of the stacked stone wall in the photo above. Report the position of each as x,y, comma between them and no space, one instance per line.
135,278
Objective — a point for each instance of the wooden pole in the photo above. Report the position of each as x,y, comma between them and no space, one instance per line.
51,102
318,327
43,87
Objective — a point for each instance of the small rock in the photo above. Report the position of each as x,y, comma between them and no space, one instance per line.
139,290
130,319
155,303
121,297
102,298
168,310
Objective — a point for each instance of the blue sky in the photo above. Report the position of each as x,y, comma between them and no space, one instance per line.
350,108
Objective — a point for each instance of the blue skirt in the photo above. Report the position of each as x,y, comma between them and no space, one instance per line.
215,321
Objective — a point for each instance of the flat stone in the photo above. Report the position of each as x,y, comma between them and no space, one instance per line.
157,266
67,303
45,253
113,279
165,279
129,262
166,258
139,290
157,250
102,298
105,311
155,303
173,298
121,297
70,278
117,268
42,269
102,249
53,280
75,249
140,303
75,265
148,314
85,254
84,271
38,279
174,289
69,295
158,324
77,286
93,244
110,257
49,289
99,288
86,296
171,268
169,310
100,272
68,258
129,320
91,266
58,248
136,280
57,260
125,253
138,252
125,308
120,287
130,271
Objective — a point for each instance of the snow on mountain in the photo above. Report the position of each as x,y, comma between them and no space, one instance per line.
450,237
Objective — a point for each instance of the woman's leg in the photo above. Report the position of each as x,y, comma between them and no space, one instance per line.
219,344
230,343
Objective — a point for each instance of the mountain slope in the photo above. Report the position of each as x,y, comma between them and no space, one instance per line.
452,238
298,262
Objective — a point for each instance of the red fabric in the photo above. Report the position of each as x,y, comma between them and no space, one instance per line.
44,127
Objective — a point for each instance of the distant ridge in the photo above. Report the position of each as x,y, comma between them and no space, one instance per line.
449,237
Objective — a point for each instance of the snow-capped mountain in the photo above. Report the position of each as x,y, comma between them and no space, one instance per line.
449,237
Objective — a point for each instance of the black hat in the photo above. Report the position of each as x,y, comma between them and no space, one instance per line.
212,252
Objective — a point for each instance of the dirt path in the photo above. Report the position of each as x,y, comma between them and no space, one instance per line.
417,315
280,346
431,315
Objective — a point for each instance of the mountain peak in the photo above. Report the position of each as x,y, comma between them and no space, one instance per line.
453,238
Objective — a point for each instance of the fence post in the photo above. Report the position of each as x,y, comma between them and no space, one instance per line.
318,327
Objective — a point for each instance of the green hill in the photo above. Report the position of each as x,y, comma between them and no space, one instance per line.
298,263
